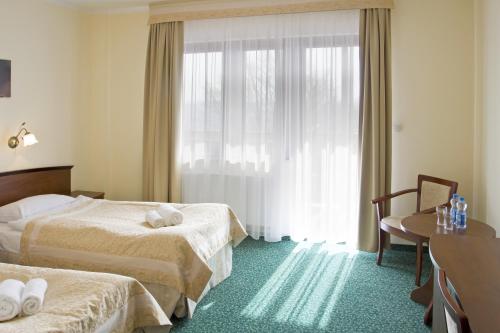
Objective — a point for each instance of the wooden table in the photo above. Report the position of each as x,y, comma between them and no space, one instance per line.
472,266
423,226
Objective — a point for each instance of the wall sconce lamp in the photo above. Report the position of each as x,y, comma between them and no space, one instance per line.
28,138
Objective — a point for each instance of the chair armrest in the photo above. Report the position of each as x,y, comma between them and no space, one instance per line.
380,201
392,195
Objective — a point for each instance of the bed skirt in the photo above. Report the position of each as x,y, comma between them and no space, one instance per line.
172,302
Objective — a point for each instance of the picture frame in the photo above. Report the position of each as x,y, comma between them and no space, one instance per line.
5,78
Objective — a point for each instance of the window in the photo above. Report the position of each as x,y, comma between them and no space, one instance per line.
270,121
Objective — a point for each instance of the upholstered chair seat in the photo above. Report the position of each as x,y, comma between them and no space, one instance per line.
393,221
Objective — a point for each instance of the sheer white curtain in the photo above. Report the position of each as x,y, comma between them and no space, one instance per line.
271,122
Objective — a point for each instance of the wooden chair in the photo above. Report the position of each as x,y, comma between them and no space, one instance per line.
456,320
431,192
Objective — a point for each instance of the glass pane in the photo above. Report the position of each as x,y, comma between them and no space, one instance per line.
202,105
259,105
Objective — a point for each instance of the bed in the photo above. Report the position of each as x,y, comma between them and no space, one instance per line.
177,265
82,302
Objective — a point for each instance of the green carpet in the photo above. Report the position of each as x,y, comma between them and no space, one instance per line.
296,287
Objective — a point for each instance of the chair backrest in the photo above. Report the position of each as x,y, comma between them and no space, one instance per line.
434,192
456,320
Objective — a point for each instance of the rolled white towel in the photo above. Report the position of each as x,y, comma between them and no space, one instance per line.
33,296
170,214
155,220
10,298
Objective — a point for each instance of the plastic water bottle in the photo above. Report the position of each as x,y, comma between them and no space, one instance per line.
453,208
461,214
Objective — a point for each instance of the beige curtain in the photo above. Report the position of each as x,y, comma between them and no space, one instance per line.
162,116
375,111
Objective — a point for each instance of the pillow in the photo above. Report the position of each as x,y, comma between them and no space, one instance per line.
32,205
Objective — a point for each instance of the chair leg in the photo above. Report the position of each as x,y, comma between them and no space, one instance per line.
418,272
428,314
381,244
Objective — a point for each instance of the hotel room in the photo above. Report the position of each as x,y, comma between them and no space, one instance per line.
249,166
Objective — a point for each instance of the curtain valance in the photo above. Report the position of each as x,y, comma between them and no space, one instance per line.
171,11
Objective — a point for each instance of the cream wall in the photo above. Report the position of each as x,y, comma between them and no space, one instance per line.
43,41
77,80
109,156
433,94
488,109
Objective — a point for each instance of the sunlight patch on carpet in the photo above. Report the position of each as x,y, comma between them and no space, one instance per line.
266,296
306,296
327,316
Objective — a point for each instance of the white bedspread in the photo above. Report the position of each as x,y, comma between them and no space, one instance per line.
112,236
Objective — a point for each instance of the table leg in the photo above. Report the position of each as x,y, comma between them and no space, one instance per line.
423,295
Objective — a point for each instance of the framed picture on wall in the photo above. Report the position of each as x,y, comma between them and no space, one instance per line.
5,77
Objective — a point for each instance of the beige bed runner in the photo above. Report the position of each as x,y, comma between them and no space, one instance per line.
83,302
112,236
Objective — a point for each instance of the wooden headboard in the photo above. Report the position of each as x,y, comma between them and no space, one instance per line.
19,184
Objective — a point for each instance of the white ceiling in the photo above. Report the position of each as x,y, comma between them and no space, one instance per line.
106,4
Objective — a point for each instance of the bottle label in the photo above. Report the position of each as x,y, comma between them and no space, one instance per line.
453,214
461,220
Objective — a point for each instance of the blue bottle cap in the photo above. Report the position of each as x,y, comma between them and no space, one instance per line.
455,195
462,199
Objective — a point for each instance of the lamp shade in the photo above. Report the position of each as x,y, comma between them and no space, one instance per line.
29,139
